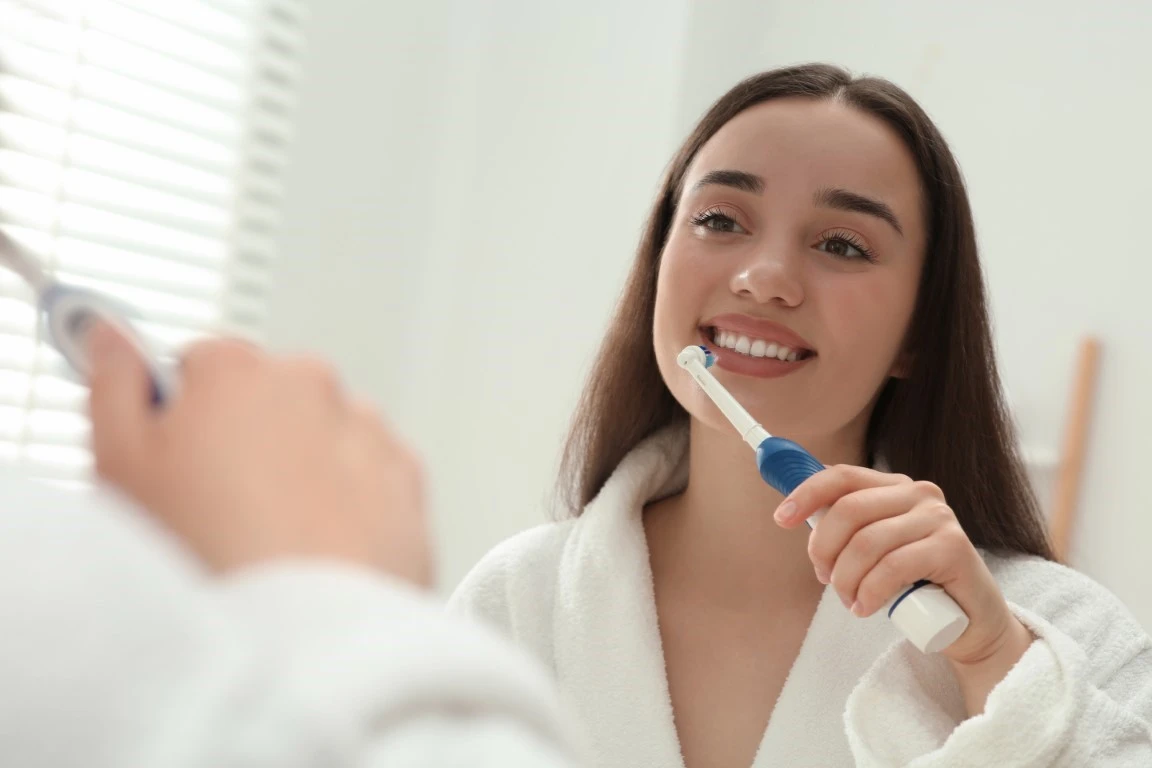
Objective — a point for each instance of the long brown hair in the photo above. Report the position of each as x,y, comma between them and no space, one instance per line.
946,422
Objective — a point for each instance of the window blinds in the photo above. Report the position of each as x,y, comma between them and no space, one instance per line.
142,145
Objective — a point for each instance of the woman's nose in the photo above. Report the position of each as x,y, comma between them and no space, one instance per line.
771,275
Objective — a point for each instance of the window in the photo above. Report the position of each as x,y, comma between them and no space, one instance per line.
142,144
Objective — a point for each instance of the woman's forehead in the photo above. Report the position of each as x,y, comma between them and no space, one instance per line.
805,144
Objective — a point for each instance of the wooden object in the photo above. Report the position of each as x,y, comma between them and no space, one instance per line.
1066,493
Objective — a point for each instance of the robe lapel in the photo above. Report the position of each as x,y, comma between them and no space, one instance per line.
807,724
609,657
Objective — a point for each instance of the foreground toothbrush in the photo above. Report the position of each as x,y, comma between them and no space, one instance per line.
68,312
923,612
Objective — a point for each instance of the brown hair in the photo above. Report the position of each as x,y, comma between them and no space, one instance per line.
946,422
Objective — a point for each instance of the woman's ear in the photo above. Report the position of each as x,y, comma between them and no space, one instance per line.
902,368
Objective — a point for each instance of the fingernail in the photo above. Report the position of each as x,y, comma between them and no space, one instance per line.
822,576
785,512
856,608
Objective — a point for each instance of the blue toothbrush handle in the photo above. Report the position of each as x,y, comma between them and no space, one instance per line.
923,611
784,465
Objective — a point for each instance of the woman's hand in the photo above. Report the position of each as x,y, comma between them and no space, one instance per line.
258,458
883,532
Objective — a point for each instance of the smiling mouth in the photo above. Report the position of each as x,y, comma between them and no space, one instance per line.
753,347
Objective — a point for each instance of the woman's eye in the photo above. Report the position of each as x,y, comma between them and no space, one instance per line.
843,249
718,222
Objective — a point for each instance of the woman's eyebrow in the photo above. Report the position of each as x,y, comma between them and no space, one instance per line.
745,182
840,199
844,200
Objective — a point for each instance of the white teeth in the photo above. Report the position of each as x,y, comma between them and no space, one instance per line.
754,347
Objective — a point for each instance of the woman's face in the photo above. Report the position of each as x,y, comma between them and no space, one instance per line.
795,255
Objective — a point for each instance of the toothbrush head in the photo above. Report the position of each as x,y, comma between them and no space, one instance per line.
696,354
22,263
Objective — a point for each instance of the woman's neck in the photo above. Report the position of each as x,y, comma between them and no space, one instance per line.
721,525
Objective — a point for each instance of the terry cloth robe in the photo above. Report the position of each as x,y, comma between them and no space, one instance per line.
117,650
579,595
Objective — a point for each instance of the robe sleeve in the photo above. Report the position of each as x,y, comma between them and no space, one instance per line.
1062,704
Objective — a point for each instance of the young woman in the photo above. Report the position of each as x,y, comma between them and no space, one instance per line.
814,230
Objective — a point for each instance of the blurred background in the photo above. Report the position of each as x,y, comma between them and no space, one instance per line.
443,197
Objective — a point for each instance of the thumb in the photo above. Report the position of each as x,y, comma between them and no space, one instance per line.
119,403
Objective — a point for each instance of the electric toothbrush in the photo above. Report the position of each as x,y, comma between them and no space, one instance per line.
68,313
923,612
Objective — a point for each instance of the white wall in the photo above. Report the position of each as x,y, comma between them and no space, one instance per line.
471,178
357,187
470,182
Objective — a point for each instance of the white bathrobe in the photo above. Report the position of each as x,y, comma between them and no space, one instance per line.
579,594
118,651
